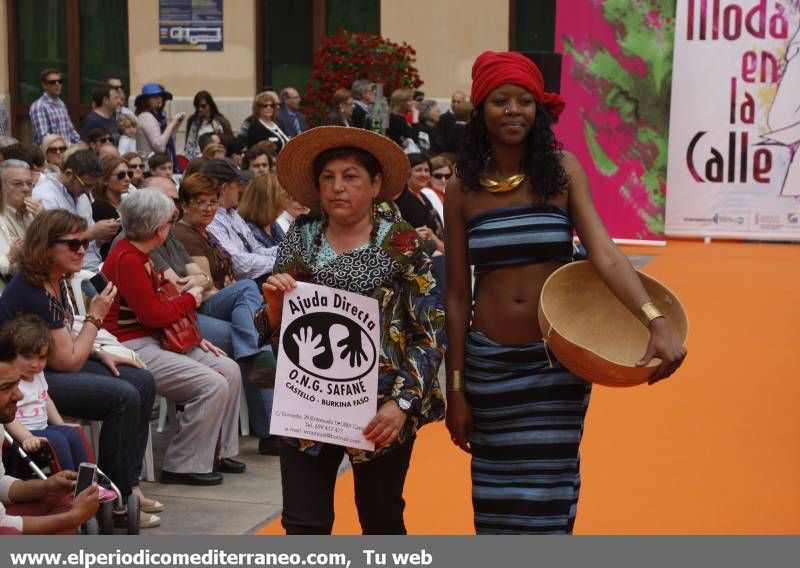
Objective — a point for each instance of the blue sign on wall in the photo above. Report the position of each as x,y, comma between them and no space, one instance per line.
190,25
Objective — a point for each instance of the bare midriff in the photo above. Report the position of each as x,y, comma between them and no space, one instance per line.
507,302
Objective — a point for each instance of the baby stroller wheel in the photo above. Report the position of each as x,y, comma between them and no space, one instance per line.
90,527
133,514
106,517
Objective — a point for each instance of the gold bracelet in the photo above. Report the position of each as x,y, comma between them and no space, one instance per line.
455,381
649,312
95,321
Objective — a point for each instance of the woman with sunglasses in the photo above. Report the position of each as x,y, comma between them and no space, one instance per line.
136,165
261,124
54,146
441,172
206,118
115,182
99,137
83,382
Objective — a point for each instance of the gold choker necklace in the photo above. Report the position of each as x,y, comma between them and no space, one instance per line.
501,186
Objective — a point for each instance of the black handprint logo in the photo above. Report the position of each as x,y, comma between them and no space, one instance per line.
351,344
329,346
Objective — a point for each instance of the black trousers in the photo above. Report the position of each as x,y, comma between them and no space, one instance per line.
309,481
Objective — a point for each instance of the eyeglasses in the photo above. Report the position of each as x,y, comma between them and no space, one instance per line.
136,166
205,204
121,175
442,176
105,139
56,149
54,82
84,185
73,244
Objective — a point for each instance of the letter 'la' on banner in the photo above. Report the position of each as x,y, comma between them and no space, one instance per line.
734,136
326,381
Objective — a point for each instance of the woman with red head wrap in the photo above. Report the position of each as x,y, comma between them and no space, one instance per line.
510,212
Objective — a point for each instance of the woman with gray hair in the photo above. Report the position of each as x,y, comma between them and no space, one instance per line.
429,138
203,379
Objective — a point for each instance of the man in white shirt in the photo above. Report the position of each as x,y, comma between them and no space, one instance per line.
70,190
250,258
36,506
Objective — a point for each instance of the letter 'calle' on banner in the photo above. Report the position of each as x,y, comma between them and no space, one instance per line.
326,381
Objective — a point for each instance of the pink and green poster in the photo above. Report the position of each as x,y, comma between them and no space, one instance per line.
616,72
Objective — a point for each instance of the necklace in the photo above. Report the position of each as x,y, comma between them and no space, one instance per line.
507,184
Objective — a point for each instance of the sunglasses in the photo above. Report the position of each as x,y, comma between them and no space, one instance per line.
269,105
136,166
105,139
84,185
442,176
56,149
122,175
54,82
73,244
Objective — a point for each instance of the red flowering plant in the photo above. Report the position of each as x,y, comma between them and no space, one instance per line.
346,56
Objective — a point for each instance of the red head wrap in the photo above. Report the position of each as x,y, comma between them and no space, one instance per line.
491,70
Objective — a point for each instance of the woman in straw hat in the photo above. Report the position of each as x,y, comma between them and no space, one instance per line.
357,246
510,213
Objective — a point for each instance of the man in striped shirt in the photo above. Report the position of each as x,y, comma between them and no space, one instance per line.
49,113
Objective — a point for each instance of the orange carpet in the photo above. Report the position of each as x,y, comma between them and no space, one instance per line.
714,450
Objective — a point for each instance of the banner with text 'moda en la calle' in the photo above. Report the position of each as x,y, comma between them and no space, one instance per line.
734,165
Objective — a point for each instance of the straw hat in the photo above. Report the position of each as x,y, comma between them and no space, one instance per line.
593,334
296,160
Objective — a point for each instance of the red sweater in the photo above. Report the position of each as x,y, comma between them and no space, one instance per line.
136,306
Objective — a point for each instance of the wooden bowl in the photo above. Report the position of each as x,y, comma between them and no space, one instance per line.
593,334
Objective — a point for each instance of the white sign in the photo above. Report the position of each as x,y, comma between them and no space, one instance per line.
734,166
326,381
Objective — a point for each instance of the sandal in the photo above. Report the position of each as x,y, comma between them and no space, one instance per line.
148,520
150,505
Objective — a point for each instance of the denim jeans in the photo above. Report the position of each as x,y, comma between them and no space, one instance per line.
123,404
226,320
67,444
236,304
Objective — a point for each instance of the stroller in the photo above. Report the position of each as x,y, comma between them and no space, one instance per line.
103,523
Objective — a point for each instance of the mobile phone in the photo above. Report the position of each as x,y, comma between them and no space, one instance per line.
87,474
99,281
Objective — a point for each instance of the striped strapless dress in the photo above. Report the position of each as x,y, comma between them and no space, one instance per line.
527,414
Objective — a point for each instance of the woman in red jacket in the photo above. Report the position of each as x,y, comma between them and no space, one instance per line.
204,380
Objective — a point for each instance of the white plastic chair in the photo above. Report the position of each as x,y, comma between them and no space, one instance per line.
148,471
75,283
167,413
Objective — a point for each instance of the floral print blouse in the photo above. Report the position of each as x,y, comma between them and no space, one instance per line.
396,272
